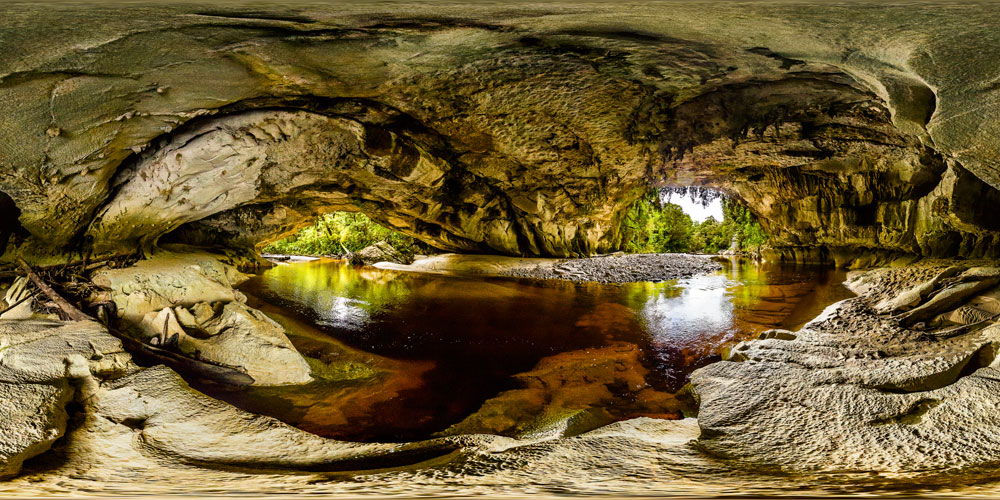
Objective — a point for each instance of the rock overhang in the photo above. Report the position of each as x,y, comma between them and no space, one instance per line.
540,123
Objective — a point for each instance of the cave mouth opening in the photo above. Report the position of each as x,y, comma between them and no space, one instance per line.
344,234
692,219
10,225
401,356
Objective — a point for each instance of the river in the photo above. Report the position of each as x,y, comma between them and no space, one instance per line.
406,356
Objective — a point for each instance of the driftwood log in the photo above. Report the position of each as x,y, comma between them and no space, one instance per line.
83,265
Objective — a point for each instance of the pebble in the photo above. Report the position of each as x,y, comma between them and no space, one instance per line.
624,268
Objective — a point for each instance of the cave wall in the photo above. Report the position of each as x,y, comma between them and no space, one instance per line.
830,175
521,130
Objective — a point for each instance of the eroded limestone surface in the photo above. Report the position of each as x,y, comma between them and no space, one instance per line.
186,302
855,390
43,367
519,130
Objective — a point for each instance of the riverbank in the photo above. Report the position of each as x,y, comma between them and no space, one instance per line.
614,268
879,393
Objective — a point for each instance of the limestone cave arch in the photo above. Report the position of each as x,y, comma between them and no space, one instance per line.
505,137
816,156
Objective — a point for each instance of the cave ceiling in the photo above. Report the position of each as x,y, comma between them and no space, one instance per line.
507,128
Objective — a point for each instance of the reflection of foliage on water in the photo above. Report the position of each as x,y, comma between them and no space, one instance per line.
688,322
636,295
512,357
746,282
340,289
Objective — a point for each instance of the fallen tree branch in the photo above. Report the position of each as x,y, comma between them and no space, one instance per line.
67,309
177,361
85,265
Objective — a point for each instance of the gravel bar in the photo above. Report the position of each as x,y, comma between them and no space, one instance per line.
622,268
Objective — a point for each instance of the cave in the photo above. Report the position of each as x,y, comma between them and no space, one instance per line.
558,321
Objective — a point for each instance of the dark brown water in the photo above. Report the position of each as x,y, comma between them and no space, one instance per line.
402,356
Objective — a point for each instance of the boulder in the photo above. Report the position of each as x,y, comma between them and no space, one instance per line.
186,302
169,279
378,252
238,337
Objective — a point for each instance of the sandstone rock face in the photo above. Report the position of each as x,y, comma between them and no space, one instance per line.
170,279
498,129
127,413
34,417
188,299
854,391
182,423
40,364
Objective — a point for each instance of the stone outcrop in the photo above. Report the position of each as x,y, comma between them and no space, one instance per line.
194,429
495,129
856,390
186,301
379,252
43,365
127,412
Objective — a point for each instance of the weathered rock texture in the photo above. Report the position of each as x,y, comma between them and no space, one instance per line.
188,301
856,391
522,129
126,413
41,369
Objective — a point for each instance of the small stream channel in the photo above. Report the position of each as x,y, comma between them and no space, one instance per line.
403,356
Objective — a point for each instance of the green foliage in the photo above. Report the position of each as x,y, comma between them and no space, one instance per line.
339,231
711,236
651,225
749,233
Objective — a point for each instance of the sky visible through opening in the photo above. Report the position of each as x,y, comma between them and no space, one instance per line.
695,209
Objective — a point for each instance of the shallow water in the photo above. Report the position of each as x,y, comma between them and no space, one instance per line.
407,355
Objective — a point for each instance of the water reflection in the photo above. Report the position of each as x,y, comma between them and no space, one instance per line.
336,295
455,354
682,313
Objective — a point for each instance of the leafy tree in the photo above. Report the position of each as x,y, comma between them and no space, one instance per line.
339,231
748,231
711,236
650,225
671,230
654,225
